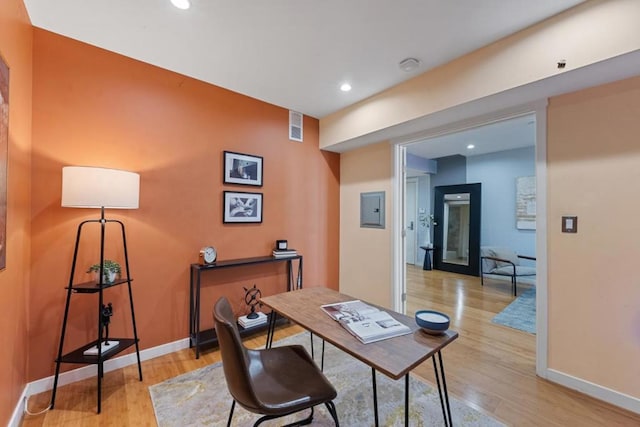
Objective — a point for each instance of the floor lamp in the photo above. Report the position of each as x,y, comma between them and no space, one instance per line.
98,188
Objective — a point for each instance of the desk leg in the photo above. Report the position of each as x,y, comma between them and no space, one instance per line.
406,400
445,413
313,355
375,396
272,327
444,384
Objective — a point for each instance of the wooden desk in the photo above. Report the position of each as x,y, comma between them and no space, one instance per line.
394,357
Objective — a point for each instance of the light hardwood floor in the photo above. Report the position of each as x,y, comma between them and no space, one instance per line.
490,367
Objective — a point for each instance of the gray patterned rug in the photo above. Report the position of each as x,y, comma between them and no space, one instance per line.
520,314
200,398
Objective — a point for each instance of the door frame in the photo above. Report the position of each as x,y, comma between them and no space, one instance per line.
398,269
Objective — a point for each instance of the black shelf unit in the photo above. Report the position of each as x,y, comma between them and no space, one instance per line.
77,356
201,338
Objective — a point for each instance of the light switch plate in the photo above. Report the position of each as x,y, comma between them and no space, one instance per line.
569,224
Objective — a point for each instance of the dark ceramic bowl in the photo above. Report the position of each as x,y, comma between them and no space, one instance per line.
432,322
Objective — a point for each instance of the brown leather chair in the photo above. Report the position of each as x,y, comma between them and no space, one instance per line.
272,382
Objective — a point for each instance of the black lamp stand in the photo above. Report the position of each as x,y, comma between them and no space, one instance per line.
80,355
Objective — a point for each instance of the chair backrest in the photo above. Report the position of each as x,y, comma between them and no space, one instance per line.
235,356
498,252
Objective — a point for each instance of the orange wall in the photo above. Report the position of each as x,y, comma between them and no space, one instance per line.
593,156
93,107
15,49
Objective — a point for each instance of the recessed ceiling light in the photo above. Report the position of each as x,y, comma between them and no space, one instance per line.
470,147
346,87
181,4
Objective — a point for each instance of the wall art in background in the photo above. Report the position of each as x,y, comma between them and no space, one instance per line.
243,169
526,203
242,207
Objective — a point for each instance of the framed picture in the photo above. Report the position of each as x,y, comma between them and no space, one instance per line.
242,207
526,203
242,169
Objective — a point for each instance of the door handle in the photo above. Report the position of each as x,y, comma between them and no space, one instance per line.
410,226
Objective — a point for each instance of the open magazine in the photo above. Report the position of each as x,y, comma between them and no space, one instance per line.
365,322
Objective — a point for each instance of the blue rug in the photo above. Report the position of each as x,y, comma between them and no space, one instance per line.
520,314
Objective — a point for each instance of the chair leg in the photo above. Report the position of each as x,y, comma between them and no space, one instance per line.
233,405
332,410
513,282
303,422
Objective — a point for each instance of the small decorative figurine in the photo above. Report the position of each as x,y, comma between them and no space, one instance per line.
252,298
106,313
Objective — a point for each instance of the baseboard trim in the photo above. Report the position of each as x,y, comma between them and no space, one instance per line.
88,371
599,392
16,417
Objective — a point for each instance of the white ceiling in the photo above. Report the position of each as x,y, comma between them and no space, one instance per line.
502,135
293,53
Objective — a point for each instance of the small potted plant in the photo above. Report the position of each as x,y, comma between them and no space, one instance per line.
110,271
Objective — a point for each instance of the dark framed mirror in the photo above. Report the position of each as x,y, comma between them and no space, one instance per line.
457,228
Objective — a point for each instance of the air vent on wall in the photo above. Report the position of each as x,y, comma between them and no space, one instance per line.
295,126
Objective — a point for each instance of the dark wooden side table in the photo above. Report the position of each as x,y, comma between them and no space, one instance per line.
200,338
427,257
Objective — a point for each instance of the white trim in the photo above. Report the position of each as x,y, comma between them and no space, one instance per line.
596,391
18,412
397,267
45,384
542,326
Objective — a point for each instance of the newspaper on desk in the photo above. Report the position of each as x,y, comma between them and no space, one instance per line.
365,322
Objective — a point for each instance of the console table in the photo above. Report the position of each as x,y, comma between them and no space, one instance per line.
198,338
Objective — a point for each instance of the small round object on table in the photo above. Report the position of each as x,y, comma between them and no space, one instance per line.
432,322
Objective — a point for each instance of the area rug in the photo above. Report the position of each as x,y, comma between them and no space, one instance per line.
200,398
520,314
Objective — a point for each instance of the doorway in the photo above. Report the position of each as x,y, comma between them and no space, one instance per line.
457,228
448,142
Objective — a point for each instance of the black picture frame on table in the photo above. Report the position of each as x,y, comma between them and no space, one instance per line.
243,169
241,207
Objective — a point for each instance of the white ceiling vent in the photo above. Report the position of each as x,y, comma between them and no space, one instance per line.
295,126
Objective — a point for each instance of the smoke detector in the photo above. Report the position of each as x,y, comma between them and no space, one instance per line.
409,64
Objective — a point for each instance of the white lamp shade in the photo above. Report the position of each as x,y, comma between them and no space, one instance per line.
90,187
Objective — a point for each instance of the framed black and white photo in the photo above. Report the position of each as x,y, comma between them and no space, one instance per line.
242,207
242,169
